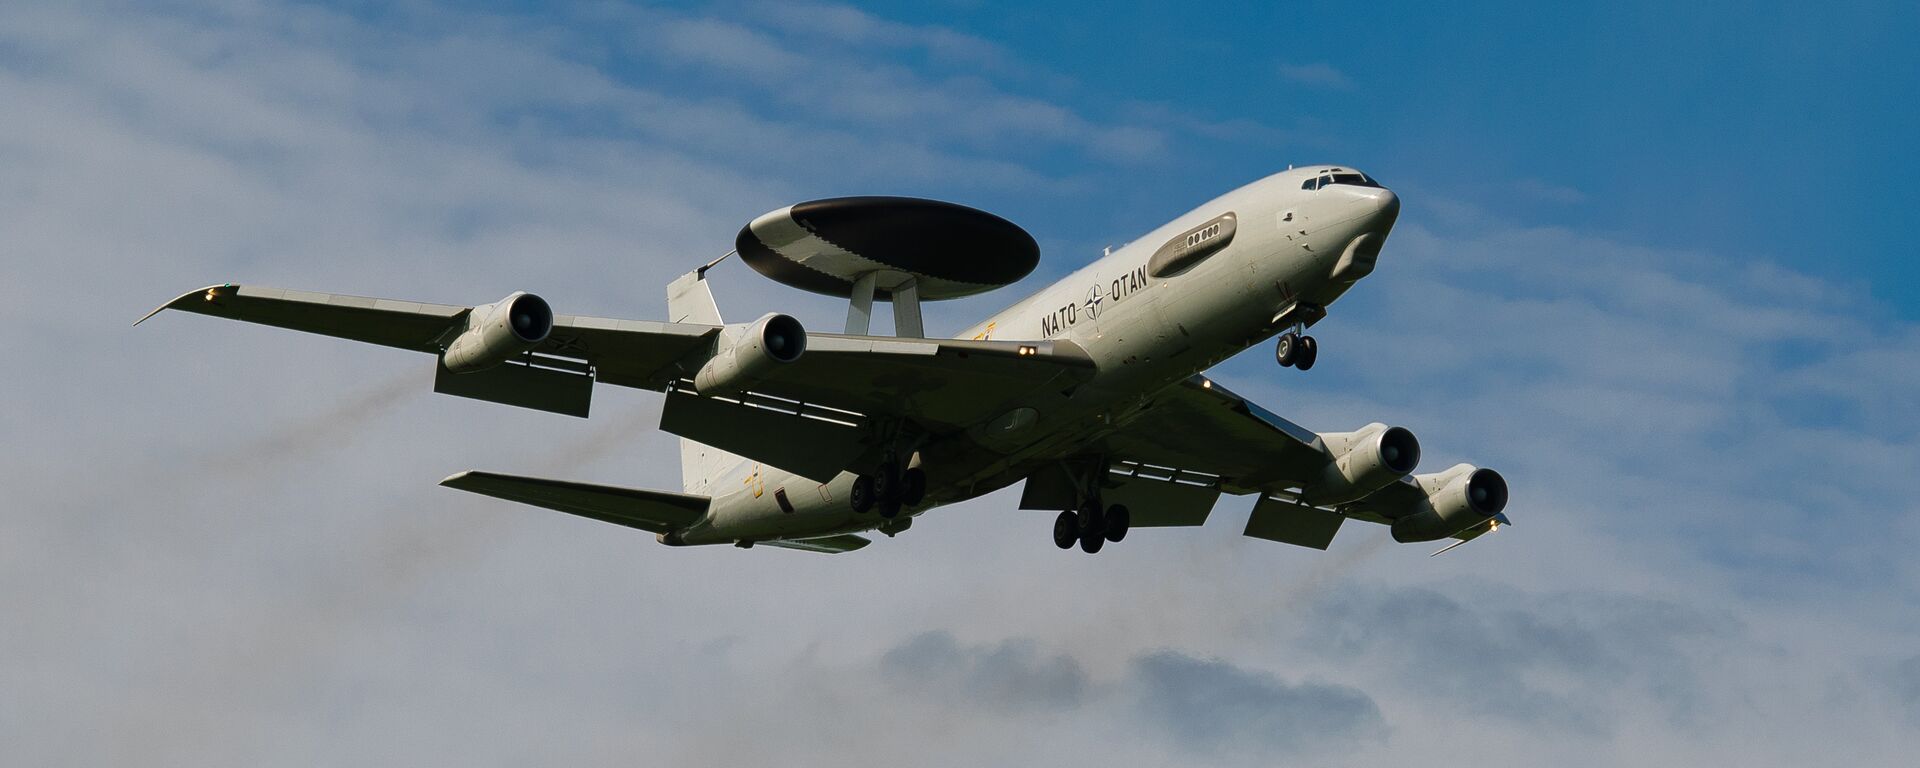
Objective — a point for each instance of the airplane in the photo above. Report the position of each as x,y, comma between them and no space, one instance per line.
1092,392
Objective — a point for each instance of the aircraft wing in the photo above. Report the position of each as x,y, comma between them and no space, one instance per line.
941,384
628,352
1200,426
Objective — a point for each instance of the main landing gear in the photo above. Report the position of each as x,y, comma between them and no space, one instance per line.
1296,350
1092,526
889,489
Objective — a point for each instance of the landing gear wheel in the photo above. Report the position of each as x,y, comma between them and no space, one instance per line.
1092,541
1117,519
1287,351
913,487
1309,351
1091,522
1066,530
889,509
886,483
861,496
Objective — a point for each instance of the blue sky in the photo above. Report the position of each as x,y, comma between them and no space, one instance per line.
1652,266
1777,131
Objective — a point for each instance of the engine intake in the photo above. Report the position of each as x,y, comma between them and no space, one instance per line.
1457,499
749,352
1364,461
498,331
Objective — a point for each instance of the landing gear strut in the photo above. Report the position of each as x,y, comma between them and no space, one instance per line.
1295,350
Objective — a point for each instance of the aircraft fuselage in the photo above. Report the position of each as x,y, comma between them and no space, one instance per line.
1226,275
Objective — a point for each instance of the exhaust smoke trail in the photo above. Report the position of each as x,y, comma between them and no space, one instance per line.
294,637
330,429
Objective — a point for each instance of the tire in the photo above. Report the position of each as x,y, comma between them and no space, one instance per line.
889,509
1118,519
1286,351
861,497
1090,519
886,484
1066,530
1309,352
1092,542
913,487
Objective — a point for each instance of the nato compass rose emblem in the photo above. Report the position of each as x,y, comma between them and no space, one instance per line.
1092,304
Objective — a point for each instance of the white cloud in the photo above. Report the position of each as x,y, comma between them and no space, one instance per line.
220,543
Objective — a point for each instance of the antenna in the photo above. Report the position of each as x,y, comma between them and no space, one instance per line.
702,271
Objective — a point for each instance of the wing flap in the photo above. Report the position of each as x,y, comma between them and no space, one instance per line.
1199,425
652,511
1293,523
943,384
643,354
790,437
1160,503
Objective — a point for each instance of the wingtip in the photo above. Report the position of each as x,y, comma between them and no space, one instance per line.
212,292
453,480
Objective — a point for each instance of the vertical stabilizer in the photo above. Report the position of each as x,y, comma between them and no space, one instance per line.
690,300
703,466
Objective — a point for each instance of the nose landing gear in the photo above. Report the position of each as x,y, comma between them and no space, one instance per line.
1296,351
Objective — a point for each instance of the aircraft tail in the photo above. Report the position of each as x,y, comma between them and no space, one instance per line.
702,466
690,300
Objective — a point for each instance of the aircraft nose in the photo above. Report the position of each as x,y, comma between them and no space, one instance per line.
1384,201
1379,205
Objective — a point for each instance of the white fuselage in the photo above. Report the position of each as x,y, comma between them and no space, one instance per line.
1289,247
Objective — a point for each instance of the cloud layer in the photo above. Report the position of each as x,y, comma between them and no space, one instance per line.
221,543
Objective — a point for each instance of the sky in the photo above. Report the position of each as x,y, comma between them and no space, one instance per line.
1651,265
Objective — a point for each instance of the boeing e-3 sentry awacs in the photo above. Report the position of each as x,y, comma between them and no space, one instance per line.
1091,392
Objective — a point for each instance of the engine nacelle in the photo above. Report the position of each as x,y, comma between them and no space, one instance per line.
1457,499
749,352
498,331
1364,461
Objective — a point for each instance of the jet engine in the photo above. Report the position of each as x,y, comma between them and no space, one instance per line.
749,352
498,331
1364,461
1457,499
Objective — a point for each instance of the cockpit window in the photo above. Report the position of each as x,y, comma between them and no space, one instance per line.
1351,178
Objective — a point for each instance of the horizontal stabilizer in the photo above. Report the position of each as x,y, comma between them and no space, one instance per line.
831,545
653,511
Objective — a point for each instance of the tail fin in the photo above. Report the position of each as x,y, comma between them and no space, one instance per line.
690,300
701,466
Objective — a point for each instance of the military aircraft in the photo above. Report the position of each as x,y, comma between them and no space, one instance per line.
1092,391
